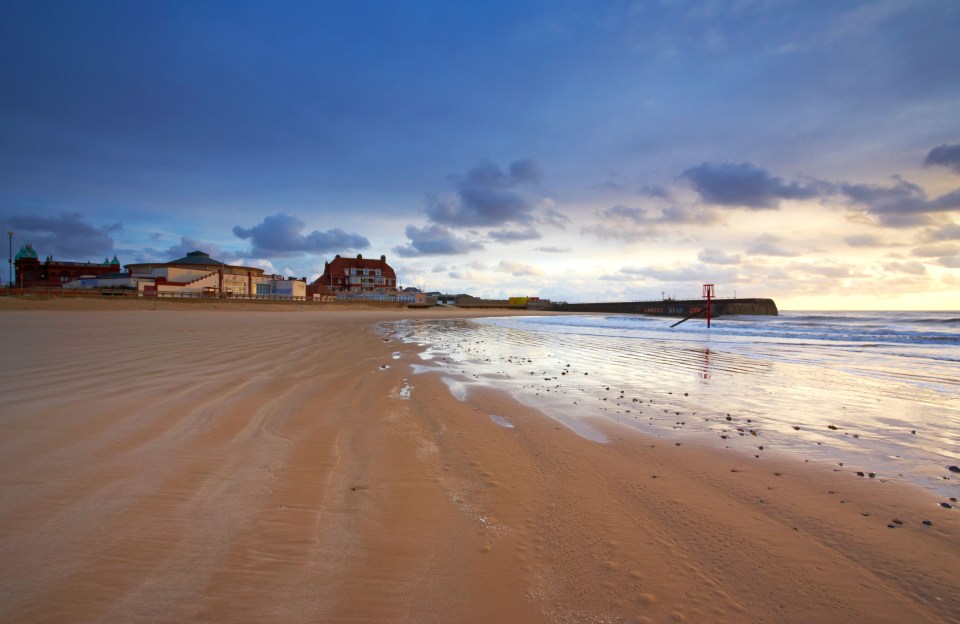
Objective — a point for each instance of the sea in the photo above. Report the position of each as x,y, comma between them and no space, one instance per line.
876,393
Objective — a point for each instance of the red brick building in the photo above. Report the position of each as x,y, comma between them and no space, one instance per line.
356,278
32,273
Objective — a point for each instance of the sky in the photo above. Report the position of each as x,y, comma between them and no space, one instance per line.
578,151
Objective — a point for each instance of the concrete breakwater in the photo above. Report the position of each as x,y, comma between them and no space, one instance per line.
677,307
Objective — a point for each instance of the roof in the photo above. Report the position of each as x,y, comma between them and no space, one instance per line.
198,258
26,251
338,264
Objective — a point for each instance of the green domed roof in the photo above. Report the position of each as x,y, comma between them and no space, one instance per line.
26,252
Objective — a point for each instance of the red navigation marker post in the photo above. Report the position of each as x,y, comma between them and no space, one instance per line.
708,294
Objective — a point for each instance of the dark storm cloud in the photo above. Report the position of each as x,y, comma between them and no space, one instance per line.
280,235
488,196
745,185
946,156
513,236
904,204
435,240
66,235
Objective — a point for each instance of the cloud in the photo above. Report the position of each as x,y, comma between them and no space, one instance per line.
188,244
435,240
555,218
65,235
717,256
607,232
280,235
655,191
513,236
912,268
945,156
745,185
631,223
463,275
904,204
680,273
550,249
518,269
945,232
769,245
525,170
669,215
825,270
951,262
488,196
863,240
937,250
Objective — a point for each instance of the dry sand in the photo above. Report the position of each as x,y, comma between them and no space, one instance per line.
194,464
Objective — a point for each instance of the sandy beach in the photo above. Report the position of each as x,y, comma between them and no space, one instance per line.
226,463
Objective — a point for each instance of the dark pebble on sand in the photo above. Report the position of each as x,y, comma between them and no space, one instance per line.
928,522
953,468
946,505
860,473
796,427
895,521
831,427
728,418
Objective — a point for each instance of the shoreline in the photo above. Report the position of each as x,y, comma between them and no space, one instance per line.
253,466
711,392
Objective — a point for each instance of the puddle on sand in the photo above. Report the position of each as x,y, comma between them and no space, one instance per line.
500,420
457,388
405,390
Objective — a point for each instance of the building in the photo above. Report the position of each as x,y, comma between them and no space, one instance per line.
197,274
360,279
32,273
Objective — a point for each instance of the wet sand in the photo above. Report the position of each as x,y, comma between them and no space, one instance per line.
248,465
